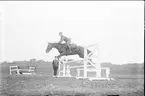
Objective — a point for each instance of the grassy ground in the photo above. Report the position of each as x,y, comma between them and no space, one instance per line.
43,85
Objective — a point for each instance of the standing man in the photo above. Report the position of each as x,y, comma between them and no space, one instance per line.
55,64
65,39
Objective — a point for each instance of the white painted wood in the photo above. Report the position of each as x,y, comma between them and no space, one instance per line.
15,68
85,67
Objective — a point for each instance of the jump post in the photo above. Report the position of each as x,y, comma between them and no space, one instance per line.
64,64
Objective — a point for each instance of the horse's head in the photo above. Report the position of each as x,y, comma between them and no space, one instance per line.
49,47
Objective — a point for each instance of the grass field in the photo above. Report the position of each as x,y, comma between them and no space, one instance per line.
43,84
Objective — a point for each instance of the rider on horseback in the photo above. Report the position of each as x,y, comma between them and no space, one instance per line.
66,39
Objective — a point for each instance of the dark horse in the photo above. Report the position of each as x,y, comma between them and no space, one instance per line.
63,50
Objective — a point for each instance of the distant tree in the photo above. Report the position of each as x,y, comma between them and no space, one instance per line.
41,61
32,60
5,62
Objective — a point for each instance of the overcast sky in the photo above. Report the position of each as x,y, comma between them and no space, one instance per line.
117,26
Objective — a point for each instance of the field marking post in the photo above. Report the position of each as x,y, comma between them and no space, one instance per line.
31,69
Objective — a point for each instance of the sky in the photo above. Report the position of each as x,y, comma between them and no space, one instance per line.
116,26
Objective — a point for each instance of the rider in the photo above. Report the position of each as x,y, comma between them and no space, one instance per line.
66,39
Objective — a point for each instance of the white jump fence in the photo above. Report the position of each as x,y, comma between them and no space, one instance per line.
87,66
16,69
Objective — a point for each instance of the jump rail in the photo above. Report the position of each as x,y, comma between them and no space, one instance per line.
72,61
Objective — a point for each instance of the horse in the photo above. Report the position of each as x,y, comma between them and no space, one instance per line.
63,50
